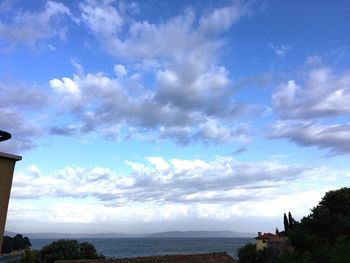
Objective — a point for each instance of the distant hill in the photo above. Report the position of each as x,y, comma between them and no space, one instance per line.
170,234
77,236
10,234
199,234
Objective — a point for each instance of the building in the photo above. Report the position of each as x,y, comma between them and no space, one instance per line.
274,245
262,239
7,166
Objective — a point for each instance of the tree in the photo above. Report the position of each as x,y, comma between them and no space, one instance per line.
277,232
291,221
67,249
324,235
64,249
285,223
18,242
249,254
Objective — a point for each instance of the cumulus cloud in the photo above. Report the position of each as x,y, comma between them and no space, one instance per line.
101,17
30,27
24,131
334,138
162,181
321,94
102,103
120,70
17,102
126,37
306,106
161,190
190,97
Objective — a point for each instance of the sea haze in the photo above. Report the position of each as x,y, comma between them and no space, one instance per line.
169,234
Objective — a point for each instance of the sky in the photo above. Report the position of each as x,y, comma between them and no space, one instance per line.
150,116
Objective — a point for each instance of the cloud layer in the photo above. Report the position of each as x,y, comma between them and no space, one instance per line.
161,190
314,111
161,181
30,27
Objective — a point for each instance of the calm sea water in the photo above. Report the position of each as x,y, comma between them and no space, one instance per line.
133,247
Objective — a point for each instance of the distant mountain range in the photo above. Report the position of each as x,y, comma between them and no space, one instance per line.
170,234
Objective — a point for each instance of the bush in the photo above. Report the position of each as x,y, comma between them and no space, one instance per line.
324,235
249,254
64,249
18,242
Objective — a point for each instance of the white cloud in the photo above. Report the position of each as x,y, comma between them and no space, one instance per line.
334,138
160,190
160,181
191,96
279,50
221,19
66,86
101,17
18,102
159,163
120,70
321,94
28,28
174,110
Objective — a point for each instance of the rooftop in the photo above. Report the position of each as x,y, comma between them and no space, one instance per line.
195,258
265,236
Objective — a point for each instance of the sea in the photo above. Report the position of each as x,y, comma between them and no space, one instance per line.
135,247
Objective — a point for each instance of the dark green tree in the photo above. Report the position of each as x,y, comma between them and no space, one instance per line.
285,222
18,242
64,249
249,254
277,232
290,221
324,235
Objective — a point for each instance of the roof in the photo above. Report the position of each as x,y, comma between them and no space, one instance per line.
195,258
277,239
265,236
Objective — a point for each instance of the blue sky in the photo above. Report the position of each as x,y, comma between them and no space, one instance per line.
144,116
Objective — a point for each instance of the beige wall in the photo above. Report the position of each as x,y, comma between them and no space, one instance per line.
261,244
7,165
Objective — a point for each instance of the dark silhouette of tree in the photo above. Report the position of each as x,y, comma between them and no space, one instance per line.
324,235
67,249
18,242
61,250
285,222
277,232
290,221
249,254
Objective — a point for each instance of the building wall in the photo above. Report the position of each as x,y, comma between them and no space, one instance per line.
7,165
261,244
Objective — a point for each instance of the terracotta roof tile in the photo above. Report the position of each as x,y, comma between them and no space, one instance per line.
265,236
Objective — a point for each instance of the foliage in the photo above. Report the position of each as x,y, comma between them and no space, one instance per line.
18,242
288,222
285,222
249,254
324,235
28,256
61,250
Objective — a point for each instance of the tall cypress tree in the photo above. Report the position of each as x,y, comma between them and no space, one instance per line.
285,222
290,220
277,232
